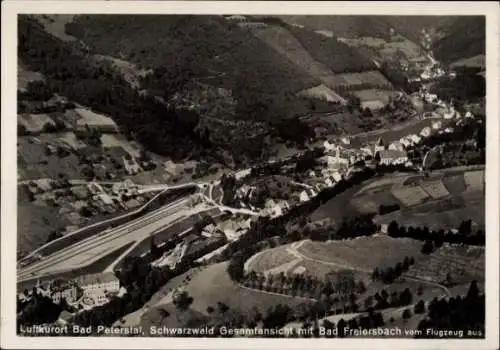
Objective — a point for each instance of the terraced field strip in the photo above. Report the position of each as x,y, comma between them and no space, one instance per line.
354,80
285,43
435,188
409,195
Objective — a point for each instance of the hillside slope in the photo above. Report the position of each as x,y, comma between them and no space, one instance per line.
464,38
158,114
207,48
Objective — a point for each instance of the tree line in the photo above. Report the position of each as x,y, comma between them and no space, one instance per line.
390,274
436,238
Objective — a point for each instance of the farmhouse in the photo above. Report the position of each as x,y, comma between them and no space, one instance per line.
94,121
394,157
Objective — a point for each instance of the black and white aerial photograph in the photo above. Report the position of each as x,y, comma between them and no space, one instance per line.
251,176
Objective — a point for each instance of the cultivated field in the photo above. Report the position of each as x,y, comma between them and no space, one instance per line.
321,92
438,201
435,188
375,94
409,195
285,43
356,80
462,263
438,220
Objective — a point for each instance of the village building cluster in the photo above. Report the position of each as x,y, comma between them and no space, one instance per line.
82,293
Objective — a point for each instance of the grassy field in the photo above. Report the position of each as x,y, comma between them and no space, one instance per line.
414,126
375,94
286,44
354,80
441,220
34,225
443,196
364,252
213,284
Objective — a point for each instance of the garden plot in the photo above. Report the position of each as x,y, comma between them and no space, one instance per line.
434,188
474,180
410,195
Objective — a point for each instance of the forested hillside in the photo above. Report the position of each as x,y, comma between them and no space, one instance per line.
464,38
207,48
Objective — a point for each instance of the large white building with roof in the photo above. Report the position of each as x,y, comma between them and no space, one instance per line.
96,286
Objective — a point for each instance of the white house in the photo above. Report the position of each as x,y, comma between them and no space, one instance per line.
448,130
437,125
337,176
328,146
394,157
304,197
346,140
396,146
426,132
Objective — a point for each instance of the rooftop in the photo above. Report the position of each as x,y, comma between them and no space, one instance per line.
99,278
91,118
392,154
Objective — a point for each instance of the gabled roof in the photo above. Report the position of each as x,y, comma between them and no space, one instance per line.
392,154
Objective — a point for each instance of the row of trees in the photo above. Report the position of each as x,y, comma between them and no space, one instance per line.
335,287
384,300
436,238
389,274
465,314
